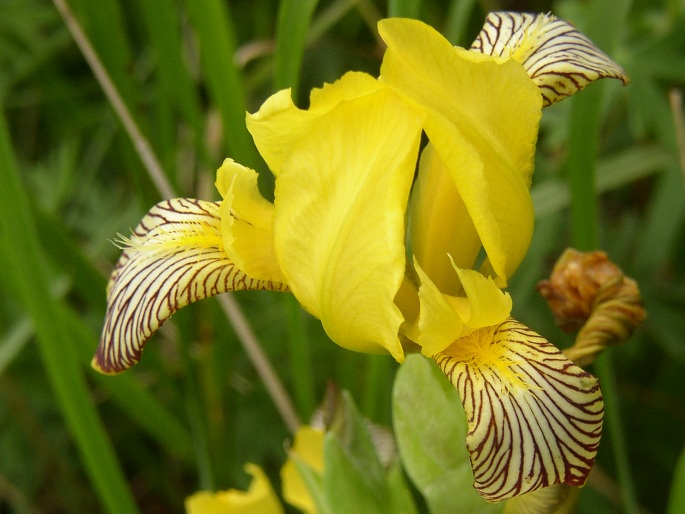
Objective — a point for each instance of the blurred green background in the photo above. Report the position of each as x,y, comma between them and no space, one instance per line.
609,175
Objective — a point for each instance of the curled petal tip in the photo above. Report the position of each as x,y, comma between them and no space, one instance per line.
560,60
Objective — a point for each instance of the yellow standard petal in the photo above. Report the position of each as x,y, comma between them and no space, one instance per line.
482,120
279,124
307,447
247,223
260,497
534,417
340,215
174,257
560,60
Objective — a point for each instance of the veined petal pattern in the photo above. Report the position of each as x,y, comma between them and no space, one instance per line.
173,258
534,417
560,60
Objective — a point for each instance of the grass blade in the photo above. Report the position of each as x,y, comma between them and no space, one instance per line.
29,269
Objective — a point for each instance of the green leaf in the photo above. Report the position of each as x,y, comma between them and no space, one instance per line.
294,18
676,500
430,426
27,262
354,479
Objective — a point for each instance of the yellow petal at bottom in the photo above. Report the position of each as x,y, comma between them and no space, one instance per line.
259,498
534,417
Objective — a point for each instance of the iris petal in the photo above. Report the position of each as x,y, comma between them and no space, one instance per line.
534,417
247,223
440,224
482,116
340,216
560,60
174,257
279,124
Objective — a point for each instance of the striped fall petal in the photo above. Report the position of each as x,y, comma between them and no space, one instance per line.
560,60
174,257
534,417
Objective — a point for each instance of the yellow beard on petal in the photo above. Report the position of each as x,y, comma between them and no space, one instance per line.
484,349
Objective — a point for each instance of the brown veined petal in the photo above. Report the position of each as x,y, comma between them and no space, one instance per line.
174,257
560,60
534,417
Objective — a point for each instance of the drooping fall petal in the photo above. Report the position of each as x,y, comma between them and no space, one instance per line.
534,417
260,497
174,257
482,117
340,218
560,60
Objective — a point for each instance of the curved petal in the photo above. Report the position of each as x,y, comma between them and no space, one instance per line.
260,497
308,446
534,417
482,116
247,223
174,257
560,60
340,214
279,124
440,225
443,319
488,305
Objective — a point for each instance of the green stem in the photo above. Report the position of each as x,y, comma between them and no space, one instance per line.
299,347
605,21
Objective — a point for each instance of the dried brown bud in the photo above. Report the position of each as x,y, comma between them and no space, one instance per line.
589,291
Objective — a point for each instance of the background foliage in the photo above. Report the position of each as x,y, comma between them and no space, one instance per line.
609,175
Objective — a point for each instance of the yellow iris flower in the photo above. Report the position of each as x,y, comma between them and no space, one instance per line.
389,262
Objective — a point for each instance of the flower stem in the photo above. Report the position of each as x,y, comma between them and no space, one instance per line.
584,137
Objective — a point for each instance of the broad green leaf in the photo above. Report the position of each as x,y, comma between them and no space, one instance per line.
354,479
430,426
676,500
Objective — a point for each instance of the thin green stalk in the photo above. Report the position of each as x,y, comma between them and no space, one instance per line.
300,351
378,383
604,23
27,261
294,18
214,27
404,8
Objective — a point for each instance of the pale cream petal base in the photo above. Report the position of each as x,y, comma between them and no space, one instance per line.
534,417
174,257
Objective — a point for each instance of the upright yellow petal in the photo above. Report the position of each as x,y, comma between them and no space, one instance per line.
174,257
482,119
279,124
441,225
260,497
560,60
247,223
534,418
340,215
